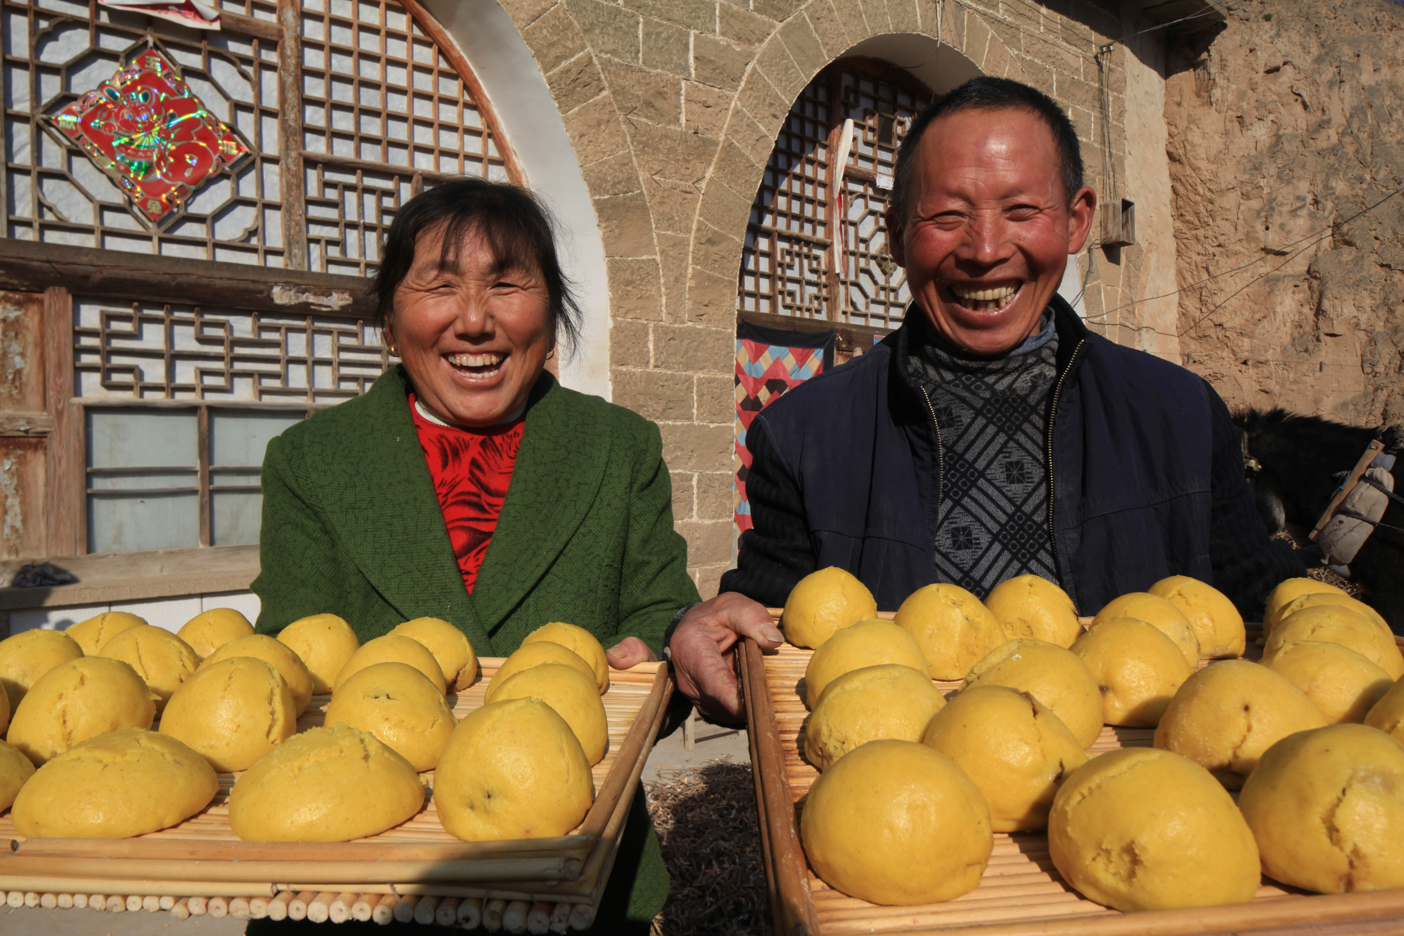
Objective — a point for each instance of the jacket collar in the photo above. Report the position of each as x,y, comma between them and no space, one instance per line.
560,452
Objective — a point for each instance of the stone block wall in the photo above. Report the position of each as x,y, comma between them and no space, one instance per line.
673,107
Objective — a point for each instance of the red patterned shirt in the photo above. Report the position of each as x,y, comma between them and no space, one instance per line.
471,469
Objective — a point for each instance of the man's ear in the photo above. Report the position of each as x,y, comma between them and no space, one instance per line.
1081,211
895,246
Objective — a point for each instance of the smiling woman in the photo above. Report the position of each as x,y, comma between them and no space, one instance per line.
468,485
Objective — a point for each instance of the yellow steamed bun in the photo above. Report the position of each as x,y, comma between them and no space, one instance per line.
571,695
1342,683
1326,809
159,657
1336,624
324,785
450,647
867,643
78,700
1158,613
952,627
1217,623
324,643
535,654
1013,747
1031,606
823,602
511,770
278,655
888,701
1287,591
1142,829
393,648
99,629
400,706
578,640
894,822
1137,668
1226,715
1388,713
27,656
15,769
232,711
1054,676
132,781
209,630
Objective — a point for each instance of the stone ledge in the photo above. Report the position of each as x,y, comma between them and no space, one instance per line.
163,573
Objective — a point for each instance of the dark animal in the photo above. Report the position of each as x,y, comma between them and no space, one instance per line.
1300,460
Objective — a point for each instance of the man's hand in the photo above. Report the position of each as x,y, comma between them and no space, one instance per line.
702,649
630,651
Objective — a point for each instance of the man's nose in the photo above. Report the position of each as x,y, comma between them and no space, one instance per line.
986,243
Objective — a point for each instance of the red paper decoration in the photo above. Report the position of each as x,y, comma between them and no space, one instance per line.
148,131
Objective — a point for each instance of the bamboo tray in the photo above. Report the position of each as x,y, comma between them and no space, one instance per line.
1021,893
202,856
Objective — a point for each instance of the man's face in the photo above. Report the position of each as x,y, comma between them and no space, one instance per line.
990,228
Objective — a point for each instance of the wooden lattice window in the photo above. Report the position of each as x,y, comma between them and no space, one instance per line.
816,246
348,107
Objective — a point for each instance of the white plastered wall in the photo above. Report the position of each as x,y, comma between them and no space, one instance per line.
526,112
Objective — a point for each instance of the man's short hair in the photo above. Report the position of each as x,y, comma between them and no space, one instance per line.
986,93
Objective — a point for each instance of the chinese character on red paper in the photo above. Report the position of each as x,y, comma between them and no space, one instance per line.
148,131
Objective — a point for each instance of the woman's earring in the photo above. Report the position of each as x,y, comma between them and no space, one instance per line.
391,350
550,354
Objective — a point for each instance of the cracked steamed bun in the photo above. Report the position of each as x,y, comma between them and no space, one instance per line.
78,700
400,706
1216,622
888,701
1336,624
952,627
232,711
324,642
1342,683
132,781
1031,606
393,648
15,769
579,641
535,654
159,657
1142,829
1226,715
278,655
1388,713
571,695
324,785
1158,613
1287,591
450,647
99,629
1056,677
1327,810
1013,747
27,656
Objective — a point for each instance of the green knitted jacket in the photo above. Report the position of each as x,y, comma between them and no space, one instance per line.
352,526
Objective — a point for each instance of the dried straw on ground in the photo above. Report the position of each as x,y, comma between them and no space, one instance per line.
706,822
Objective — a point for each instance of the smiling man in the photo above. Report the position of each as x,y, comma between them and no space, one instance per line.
993,434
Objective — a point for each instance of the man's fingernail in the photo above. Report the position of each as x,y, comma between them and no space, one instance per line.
771,632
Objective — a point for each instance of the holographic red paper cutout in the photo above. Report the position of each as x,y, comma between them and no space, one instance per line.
145,128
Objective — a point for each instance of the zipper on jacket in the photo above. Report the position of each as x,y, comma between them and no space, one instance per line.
940,453
1053,415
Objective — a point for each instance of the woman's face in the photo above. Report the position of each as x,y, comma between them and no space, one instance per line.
473,337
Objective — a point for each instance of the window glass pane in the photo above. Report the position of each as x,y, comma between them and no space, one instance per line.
234,517
122,522
238,437
142,478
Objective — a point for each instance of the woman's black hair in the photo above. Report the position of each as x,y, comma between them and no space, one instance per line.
515,227
986,93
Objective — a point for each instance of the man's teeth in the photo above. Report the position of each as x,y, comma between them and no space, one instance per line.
984,300
475,360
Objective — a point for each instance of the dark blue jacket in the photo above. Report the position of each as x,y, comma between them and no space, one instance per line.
1145,470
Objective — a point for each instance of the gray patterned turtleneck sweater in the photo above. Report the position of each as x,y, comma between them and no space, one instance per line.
992,415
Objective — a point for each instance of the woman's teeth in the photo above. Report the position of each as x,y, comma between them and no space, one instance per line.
478,363
984,300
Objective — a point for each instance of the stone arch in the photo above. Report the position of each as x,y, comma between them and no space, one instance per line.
957,46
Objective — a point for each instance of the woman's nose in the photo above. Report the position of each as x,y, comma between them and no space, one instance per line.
474,318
